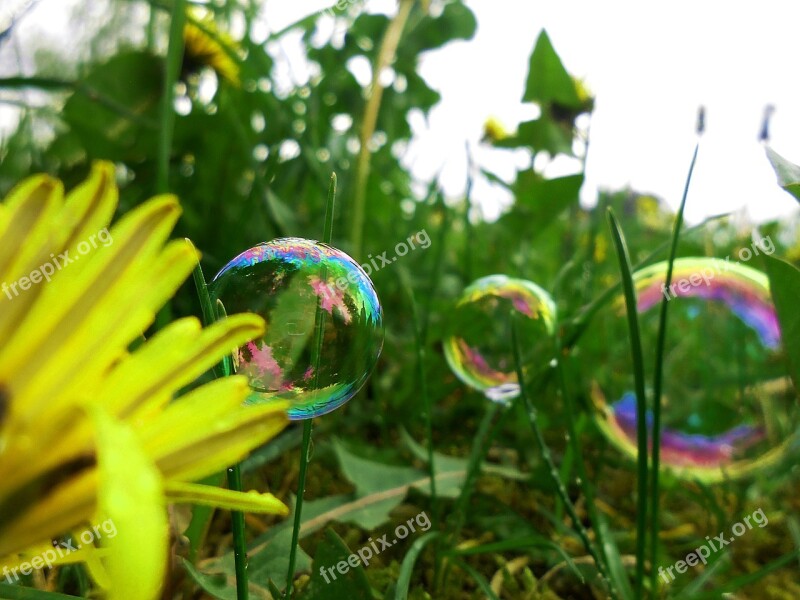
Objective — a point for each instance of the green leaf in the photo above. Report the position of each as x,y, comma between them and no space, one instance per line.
788,173
784,284
540,201
541,135
457,22
352,585
372,478
451,470
222,585
548,80
269,553
114,116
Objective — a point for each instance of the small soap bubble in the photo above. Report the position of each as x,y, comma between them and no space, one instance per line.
479,349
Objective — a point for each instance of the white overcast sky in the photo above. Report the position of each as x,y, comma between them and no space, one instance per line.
650,66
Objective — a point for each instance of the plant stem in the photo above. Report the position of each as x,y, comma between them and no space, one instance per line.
234,472
391,40
327,235
658,375
469,230
239,537
298,505
174,58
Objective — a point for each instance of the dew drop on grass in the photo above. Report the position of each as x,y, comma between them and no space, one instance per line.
290,282
728,406
478,347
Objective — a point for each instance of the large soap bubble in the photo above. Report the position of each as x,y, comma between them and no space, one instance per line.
728,406
291,283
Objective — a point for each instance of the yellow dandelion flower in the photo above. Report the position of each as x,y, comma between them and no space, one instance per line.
91,433
494,130
566,115
600,248
206,46
584,94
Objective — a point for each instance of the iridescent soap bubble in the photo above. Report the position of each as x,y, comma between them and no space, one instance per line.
479,349
291,282
728,405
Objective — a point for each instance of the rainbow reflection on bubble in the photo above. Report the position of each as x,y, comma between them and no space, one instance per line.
478,347
728,407
289,281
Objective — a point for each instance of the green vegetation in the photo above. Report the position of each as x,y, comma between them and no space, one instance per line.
528,501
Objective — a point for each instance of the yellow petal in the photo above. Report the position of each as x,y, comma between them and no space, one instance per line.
61,510
27,222
205,495
215,446
125,312
131,499
58,323
90,206
174,358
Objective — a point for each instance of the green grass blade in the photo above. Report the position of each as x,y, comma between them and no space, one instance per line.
410,559
577,451
578,325
479,579
616,568
423,388
206,306
519,543
15,592
658,374
481,443
641,401
784,284
696,586
533,419
743,580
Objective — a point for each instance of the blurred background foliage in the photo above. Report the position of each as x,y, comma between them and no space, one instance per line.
251,158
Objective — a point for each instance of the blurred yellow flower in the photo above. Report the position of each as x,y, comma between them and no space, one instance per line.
92,433
206,46
493,130
584,95
600,248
